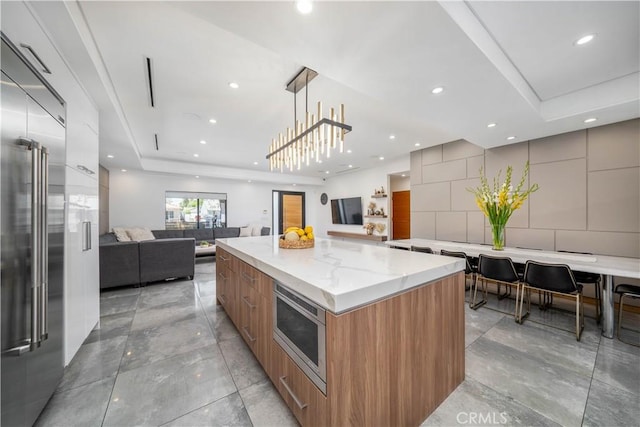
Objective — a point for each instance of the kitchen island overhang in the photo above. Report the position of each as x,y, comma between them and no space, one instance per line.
339,275
349,334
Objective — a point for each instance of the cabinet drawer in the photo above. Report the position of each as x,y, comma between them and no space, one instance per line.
306,401
249,302
256,279
225,259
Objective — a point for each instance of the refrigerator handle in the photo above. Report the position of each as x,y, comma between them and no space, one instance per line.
36,240
44,259
86,236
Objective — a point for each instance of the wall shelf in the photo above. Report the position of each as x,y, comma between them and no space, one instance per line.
378,196
375,216
357,236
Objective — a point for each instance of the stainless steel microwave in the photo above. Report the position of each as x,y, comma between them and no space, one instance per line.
299,328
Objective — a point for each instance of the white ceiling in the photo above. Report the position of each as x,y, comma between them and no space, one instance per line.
512,63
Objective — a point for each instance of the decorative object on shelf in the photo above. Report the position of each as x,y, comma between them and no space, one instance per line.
204,244
371,208
324,198
379,192
297,238
382,211
499,204
369,227
310,138
380,227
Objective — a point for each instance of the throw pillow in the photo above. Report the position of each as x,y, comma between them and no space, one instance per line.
140,234
245,231
255,230
121,234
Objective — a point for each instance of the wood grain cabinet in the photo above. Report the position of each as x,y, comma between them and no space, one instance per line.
226,284
306,401
255,310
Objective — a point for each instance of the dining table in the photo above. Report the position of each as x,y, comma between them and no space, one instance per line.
605,265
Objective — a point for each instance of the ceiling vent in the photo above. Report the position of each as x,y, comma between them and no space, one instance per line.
149,76
347,170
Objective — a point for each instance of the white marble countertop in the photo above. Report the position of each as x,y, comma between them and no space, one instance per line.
599,264
341,275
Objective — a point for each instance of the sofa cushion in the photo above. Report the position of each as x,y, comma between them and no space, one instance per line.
224,232
265,231
108,238
245,231
140,234
200,234
168,234
121,234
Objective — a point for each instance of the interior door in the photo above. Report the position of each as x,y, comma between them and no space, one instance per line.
291,210
401,216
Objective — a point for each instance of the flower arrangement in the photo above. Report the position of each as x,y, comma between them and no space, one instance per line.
380,227
499,202
369,227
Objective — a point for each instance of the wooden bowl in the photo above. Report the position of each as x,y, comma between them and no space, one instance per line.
296,244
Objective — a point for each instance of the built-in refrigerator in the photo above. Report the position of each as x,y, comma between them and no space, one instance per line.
32,213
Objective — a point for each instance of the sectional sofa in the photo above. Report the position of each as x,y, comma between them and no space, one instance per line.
170,255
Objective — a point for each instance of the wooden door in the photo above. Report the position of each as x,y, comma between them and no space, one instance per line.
401,216
291,210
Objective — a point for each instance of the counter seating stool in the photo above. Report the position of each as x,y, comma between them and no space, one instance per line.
553,279
497,269
470,271
631,291
424,249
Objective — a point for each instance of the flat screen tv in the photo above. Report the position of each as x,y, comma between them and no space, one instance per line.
347,211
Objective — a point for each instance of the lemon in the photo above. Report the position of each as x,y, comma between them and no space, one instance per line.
303,238
300,232
310,235
308,229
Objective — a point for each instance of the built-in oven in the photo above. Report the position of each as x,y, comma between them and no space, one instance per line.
299,328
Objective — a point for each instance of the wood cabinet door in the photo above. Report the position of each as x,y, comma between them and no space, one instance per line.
306,401
248,306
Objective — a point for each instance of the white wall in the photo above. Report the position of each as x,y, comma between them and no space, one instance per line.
360,183
137,199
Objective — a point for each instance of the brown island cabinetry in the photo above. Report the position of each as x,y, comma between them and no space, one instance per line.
391,362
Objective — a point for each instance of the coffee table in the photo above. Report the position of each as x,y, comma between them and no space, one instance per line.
205,250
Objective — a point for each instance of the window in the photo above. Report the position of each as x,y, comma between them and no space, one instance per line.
194,210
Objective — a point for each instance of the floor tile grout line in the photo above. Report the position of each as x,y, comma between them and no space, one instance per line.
104,417
593,371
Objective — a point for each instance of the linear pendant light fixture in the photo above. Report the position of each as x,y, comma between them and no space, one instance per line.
310,139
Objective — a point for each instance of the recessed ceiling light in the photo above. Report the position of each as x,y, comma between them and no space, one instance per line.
417,144
392,137
590,120
293,185
511,137
196,155
437,90
255,163
381,158
197,176
327,172
214,121
123,170
203,142
350,166
304,6
585,39
248,180
234,85
319,161
110,156
349,151
491,125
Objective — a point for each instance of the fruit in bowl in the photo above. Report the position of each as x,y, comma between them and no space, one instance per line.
296,237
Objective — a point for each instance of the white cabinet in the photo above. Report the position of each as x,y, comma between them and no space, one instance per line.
81,298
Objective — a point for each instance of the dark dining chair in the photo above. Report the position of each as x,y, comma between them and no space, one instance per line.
424,249
631,291
469,271
499,270
585,278
554,279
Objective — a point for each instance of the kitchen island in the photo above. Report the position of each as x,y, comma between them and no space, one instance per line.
390,347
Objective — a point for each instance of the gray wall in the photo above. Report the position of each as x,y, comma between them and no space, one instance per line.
589,196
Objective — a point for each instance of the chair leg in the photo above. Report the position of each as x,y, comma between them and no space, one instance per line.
473,304
517,312
507,292
620,308
579,317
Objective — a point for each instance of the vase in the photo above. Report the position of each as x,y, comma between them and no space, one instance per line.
497,233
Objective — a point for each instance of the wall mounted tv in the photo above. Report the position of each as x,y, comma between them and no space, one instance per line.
347,211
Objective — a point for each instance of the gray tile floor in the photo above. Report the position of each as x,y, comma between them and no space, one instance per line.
166,355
